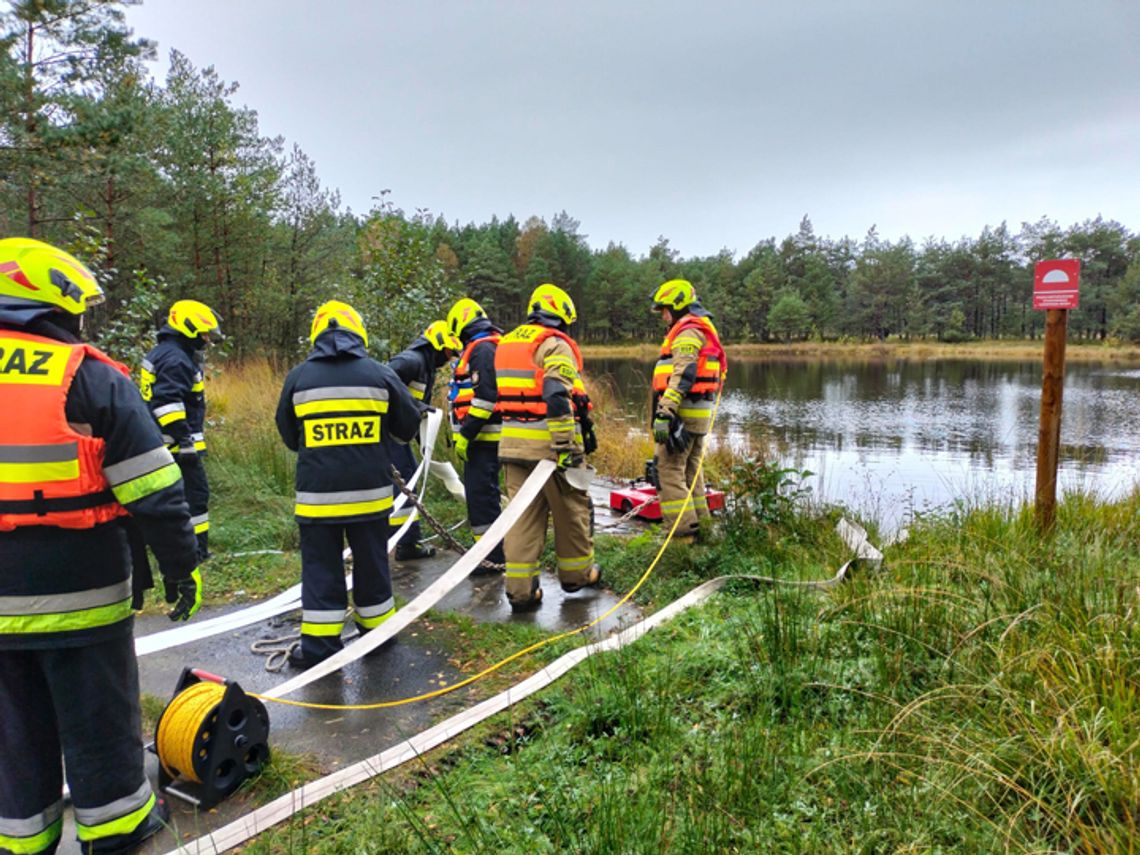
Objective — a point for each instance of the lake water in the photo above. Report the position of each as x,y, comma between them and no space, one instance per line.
896,437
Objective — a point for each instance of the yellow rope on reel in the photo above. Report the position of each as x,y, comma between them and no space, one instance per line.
186,720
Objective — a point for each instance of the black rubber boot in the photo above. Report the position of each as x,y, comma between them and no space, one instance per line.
529,604
121,844
413,551
593,577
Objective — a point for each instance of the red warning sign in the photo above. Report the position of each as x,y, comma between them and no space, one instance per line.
1056,284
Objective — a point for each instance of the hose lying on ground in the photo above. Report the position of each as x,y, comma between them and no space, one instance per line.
290,599
280,809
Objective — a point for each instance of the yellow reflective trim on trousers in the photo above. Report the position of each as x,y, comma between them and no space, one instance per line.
345,509
522,570
139,488
340,405
373,622
66,621
202,528
37,473
200,386
399,518
322,629
122,825
169,418
479,412
580,563
35,843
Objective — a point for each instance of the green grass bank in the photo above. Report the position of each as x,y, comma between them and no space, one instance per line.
980,693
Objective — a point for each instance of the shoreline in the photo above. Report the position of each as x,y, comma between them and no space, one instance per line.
918,350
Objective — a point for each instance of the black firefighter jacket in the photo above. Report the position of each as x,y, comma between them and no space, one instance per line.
337,409
416,365
173,387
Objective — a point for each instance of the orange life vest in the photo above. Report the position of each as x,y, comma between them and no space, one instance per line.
519,379
461,381
712,364
49,473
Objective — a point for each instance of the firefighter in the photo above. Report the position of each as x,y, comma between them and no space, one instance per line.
543,403
338,409
416,366
78,451
475,422
173,384
687,378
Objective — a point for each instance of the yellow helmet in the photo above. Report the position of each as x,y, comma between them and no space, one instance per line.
552,299
36,272
334,313
674,294
192,318
462,313
440,337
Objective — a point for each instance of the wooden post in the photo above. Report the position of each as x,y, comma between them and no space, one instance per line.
1049,432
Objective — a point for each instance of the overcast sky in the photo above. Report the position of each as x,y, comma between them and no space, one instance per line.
715,124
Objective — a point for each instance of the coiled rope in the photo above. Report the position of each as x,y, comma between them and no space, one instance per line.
184,729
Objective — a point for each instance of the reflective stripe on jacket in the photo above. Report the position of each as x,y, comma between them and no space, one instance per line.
336,410
711,362
689,388
50,474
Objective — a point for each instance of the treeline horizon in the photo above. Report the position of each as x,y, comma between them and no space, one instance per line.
169,190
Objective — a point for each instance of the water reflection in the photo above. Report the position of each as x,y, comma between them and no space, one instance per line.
892,437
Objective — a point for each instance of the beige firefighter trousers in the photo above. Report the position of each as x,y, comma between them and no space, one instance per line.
676,472
524,542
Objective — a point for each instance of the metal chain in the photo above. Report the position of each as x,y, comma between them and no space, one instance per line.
440,529
628,515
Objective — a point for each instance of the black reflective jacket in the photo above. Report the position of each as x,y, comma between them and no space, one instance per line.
172,378
336,410
416,365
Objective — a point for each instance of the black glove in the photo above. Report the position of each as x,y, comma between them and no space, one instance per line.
678,439
589,438
186,594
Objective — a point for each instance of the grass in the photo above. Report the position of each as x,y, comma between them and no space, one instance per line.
978,695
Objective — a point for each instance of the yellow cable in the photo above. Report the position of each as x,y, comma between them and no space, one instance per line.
491,669
186,716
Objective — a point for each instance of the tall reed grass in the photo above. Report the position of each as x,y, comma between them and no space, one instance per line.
250,470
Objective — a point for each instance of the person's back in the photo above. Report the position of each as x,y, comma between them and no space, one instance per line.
542,401
337,410
173,385
476,424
